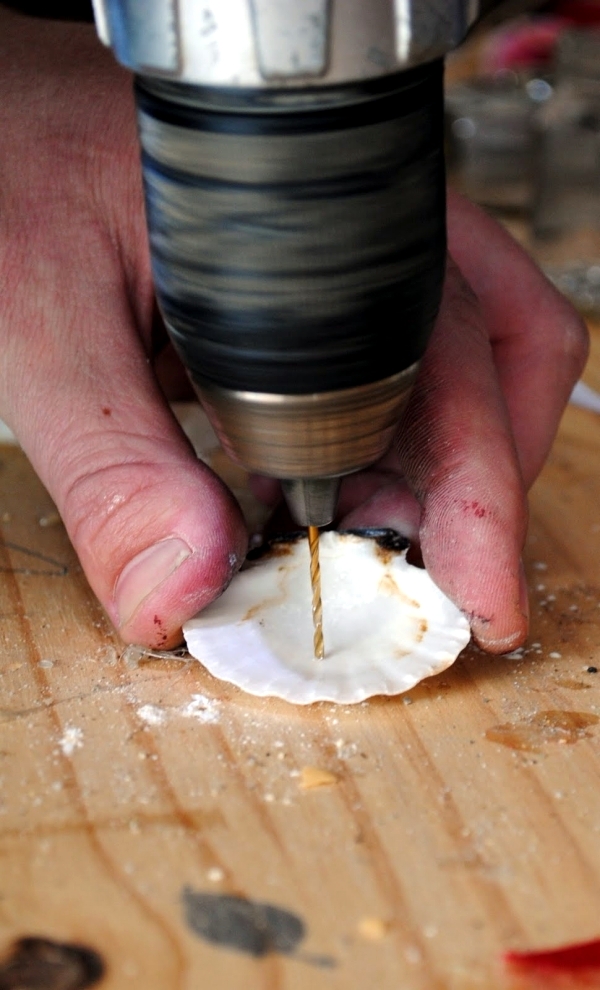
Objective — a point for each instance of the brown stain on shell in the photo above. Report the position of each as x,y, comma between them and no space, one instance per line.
276,546
280,550
389,586
384,554
271,601
421,630
266,603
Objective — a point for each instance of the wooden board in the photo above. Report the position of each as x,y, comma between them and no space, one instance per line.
133,795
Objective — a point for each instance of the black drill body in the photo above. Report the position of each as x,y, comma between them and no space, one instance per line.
297,238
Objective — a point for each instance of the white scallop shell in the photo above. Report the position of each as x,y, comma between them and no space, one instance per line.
386,624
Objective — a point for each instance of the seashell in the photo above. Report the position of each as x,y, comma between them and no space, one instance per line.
386,624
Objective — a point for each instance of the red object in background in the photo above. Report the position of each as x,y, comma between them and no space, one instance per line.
530,43
523,45
578,12
572,967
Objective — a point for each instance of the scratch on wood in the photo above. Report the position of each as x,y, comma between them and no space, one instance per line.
55,568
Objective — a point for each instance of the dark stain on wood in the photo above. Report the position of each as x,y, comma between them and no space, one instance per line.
571,683
533,732
41,964
254,927
238,923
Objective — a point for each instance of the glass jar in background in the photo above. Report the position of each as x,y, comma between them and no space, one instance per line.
491,139
566,211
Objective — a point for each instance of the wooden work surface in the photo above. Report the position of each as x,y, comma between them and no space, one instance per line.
130,791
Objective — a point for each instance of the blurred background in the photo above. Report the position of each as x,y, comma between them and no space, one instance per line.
523,136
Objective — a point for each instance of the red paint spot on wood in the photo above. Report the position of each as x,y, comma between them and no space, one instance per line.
570,967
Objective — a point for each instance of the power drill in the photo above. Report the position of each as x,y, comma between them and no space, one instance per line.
292,155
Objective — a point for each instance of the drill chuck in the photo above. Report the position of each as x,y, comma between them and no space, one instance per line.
298,244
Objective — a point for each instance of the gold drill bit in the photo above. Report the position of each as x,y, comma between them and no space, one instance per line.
315,580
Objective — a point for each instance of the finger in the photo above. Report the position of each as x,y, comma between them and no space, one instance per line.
540,343
456,451
267,490
156,532
379,498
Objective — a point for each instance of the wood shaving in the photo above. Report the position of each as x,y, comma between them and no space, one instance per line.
51,519
372,929
312,777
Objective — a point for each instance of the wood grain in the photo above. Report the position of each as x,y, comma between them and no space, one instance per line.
432,849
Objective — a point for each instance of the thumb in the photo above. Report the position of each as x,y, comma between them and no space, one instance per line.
157,534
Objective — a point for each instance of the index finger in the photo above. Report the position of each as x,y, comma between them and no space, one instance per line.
540,343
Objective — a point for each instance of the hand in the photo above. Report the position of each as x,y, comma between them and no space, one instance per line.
505,354
157,534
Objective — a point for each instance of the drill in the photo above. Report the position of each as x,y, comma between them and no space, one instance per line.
292,156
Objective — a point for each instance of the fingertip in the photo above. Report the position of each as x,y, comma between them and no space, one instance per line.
494,606
168,583
491,638
181,572
502,637
471,547
145,574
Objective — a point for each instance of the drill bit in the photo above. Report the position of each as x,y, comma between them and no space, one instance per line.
315,580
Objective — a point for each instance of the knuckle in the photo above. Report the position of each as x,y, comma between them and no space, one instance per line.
461,315
576,342
566,332
457,290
